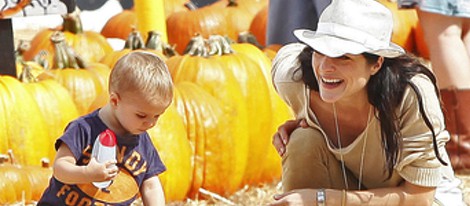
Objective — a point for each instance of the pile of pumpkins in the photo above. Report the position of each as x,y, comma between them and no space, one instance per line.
216,135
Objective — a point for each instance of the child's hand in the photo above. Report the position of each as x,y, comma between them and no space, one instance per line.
98,172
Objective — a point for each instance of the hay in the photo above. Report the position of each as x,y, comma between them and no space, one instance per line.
263,194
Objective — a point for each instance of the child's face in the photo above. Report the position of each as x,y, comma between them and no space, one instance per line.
134,113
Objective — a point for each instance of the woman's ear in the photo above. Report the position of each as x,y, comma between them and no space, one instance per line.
377,66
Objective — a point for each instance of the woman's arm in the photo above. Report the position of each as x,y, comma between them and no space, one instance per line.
66,171
152,192
281,137
406,194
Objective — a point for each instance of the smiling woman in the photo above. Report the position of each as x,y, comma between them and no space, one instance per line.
371,126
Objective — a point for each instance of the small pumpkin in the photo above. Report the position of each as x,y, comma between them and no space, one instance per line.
90,45
120,25
69,70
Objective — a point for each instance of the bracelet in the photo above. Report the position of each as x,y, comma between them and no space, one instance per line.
343,199
321,197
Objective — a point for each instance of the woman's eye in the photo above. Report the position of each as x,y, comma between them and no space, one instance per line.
344,57
140,116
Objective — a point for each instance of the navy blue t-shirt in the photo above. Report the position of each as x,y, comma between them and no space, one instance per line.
137,160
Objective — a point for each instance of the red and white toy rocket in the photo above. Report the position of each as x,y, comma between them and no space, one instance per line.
104,150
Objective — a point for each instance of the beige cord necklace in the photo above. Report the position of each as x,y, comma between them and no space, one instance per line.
338,136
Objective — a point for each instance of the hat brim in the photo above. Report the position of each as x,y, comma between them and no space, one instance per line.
333,46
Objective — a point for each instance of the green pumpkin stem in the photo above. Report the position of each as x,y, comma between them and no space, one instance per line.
232,3
154,41
26,75
72,23
191,6
219,45
134,41
248,37
196,46
65,56
60,60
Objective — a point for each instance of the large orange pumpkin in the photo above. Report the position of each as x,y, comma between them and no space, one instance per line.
280,110
255,89
57,106
171,140
22,127
211,136
217,79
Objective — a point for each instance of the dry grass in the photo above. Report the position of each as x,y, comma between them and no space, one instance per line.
263,194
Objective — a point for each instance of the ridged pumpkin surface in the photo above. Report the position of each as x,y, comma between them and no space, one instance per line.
25,131
214,146
171,140
219,81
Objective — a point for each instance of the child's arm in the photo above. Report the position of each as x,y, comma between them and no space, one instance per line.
152,192
67,172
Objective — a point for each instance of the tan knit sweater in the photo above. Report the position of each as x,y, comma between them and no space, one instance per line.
417,163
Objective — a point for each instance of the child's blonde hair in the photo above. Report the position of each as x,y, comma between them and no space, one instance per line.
142,72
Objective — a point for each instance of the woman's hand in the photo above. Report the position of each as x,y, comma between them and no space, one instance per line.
281,137
295,197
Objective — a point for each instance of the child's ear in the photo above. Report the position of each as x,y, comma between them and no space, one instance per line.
113,99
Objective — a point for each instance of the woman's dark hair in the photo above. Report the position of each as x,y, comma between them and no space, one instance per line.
386,89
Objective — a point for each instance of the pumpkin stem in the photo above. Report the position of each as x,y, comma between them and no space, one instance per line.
196,46
219,45
23,46
41,59
154,41
169,50
11,157
134,41
191,6
72,23
45,162
26,75
232,3
248,37
60,58
65,56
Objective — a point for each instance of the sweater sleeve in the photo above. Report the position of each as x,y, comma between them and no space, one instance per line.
418,163
287,78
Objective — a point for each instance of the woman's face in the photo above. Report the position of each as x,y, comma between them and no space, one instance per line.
136,115
344,77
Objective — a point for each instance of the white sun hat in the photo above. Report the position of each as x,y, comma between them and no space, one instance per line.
353,27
